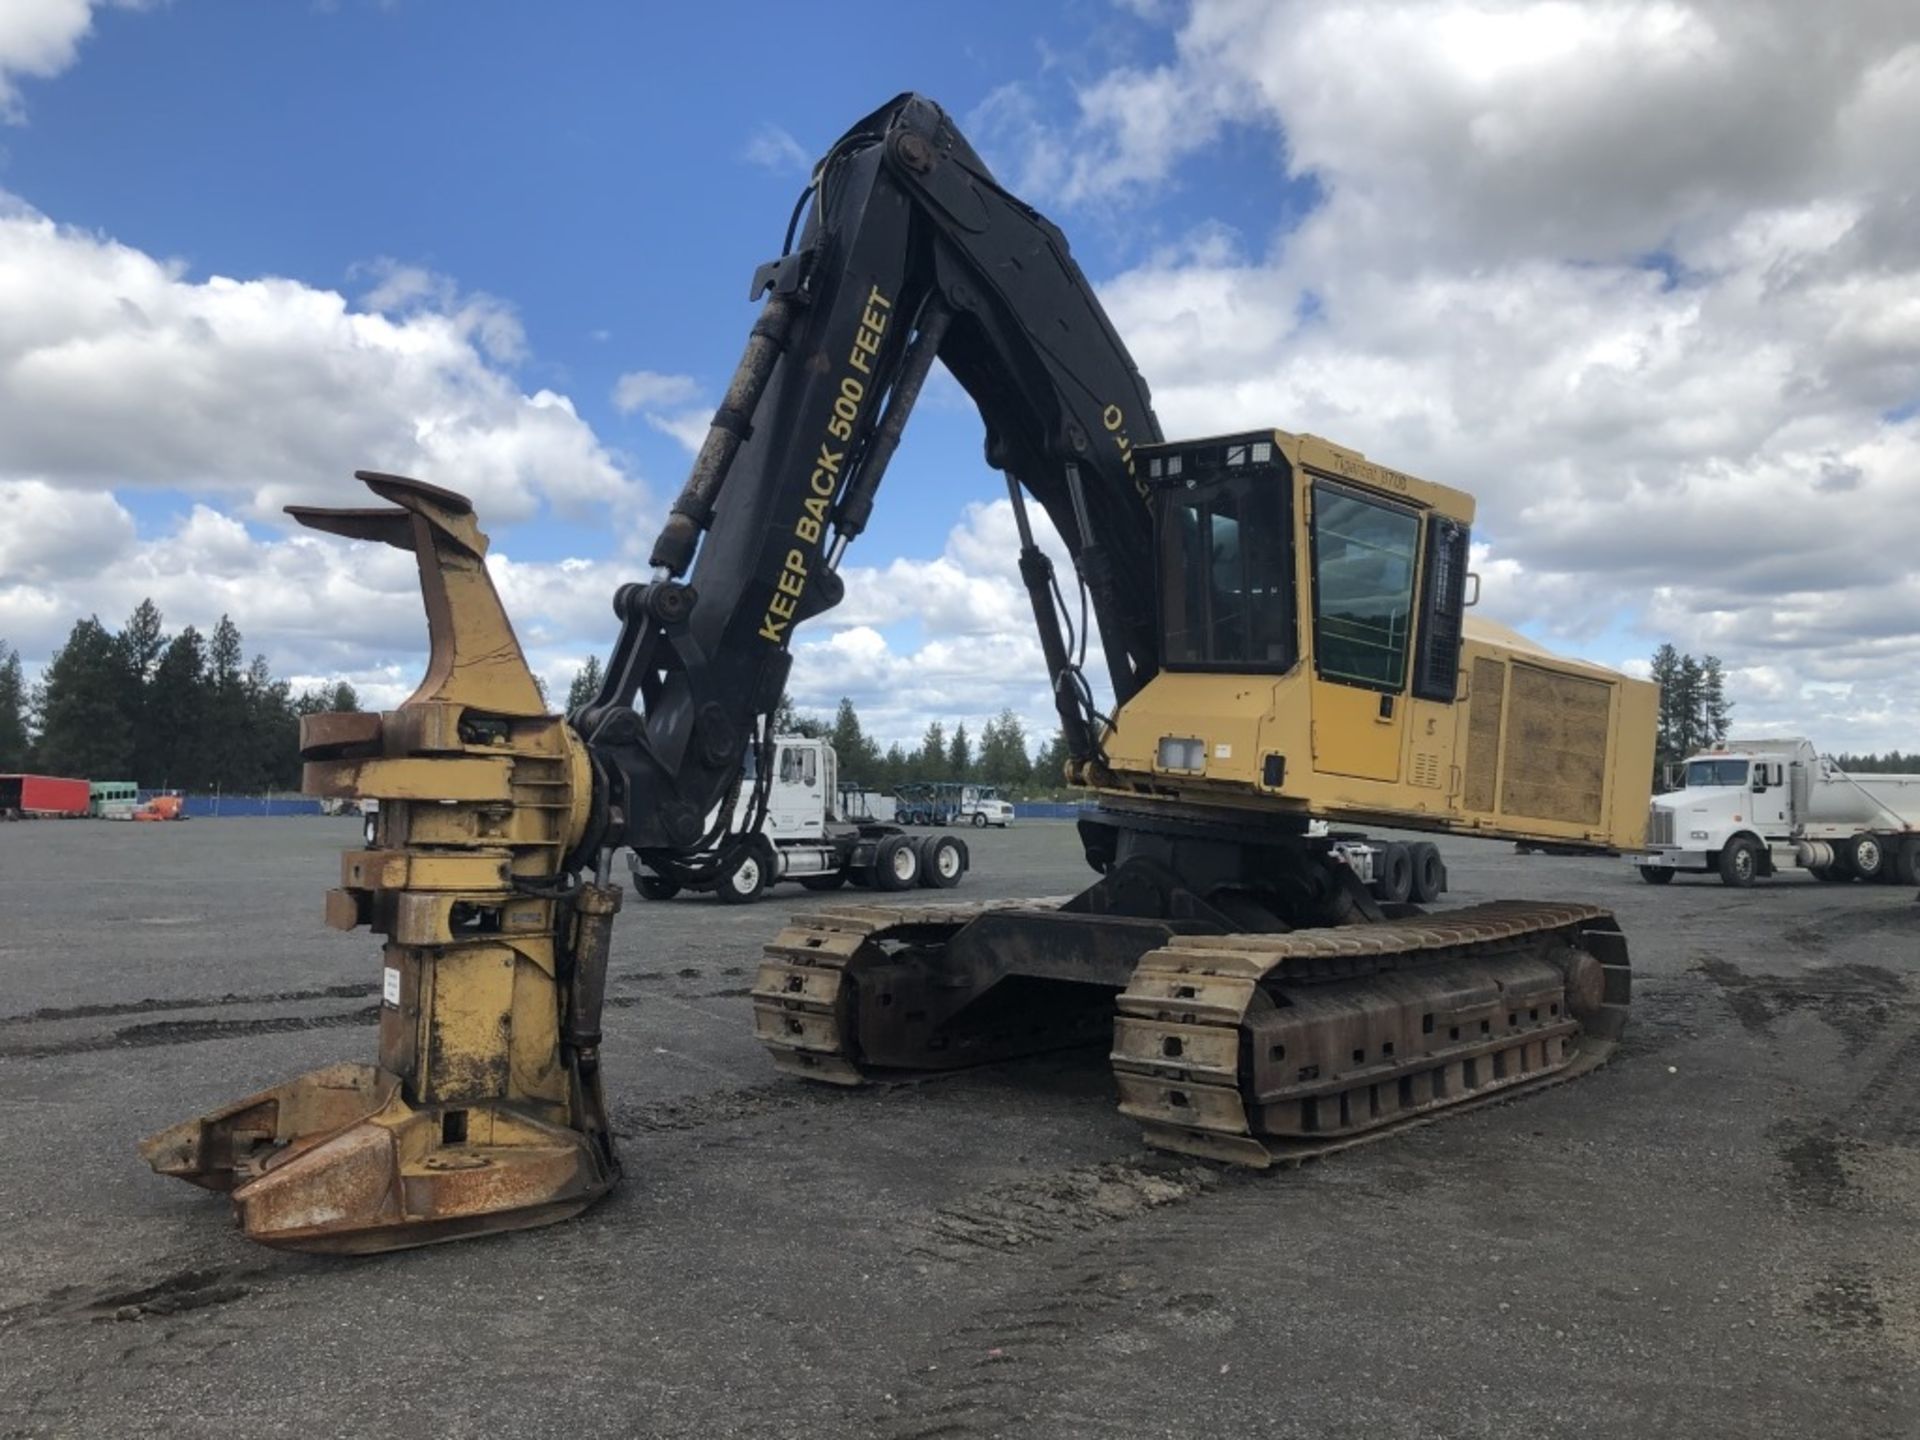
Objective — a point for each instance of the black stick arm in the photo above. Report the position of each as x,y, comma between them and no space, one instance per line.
911,251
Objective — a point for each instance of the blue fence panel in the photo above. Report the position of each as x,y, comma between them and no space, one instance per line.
227,807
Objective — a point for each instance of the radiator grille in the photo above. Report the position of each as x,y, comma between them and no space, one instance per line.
1659,826
1487,697
1554,762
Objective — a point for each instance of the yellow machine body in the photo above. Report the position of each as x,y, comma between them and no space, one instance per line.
1522,744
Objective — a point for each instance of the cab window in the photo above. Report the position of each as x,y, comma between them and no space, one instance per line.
1702,774
1363,568
1226,591
799,767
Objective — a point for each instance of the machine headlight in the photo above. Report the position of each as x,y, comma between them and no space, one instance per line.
1181,754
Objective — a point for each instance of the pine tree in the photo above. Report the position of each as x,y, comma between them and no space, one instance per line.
142,639
1050,769
1716,711
344,699
229,754
859,756
959,755
1689,733
586,684
930,761
893,767
142,642
1013,739
1666,674
13,710
272,737
82,707
1003,751
177,716
223,656
789,721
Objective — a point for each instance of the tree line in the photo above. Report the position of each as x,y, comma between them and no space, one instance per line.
170,712
1894,762
187,712
998,757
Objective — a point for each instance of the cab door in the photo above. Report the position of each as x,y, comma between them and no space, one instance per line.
1771,799
1363,551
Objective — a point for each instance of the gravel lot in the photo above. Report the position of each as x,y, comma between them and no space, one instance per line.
1716,1235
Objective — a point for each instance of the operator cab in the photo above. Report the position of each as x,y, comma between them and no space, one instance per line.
1385,574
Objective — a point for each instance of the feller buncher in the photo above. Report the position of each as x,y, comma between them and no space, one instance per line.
1284,626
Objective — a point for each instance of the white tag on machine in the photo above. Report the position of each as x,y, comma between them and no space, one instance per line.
390,986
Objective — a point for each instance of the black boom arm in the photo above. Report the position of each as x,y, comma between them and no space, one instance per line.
911,252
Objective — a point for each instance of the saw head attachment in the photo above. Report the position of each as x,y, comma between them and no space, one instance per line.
484,1110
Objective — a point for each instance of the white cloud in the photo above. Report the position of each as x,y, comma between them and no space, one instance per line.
772,148
118,371
321,609
649,389
119,374
407,290
669,403
40,38
1640,276
966,617
50,533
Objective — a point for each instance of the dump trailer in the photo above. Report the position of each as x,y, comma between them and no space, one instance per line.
44,797
1750,809
1285,639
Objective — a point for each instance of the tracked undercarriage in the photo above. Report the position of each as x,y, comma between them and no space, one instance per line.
1249,1048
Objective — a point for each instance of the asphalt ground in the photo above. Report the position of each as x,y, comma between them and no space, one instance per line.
1716,1235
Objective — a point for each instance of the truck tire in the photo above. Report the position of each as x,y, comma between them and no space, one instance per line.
832,880
1867,857
1429,872
1395,880
1832,874
979,819
1906,862
1657,874
742,881
896,863
943,860
652,887
1739,863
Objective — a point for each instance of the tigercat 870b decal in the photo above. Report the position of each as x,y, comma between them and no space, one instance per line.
811,523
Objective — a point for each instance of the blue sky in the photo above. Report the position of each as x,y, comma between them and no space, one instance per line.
592,165
1616,270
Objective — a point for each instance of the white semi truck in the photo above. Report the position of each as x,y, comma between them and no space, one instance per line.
817,833
1753,808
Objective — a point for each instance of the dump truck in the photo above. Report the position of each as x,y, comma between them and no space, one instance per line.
1751,809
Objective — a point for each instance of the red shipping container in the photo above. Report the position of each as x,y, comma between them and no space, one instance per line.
44,795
